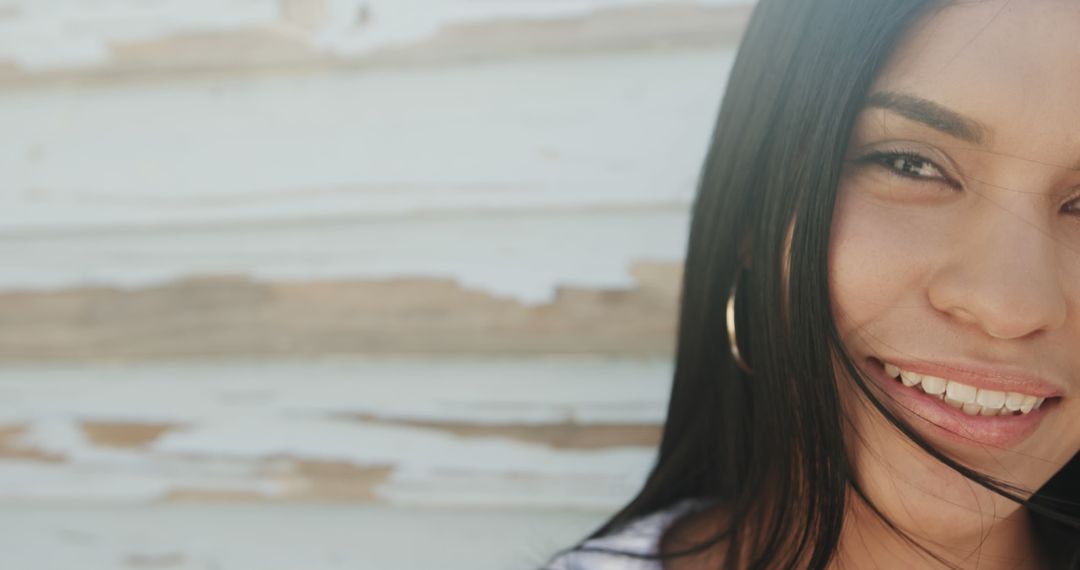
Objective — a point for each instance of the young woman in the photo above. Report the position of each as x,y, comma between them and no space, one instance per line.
878,362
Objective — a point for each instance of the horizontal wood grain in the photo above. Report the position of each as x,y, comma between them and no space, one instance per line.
261,37
536,433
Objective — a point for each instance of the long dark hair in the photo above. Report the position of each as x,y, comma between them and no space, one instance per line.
781,470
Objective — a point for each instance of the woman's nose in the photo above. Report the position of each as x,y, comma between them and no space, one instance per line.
1003,278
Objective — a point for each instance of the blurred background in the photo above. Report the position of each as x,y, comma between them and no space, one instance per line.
316,284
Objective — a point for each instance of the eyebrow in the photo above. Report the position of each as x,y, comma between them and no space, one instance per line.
931,114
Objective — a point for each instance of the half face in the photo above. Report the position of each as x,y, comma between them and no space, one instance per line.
955,252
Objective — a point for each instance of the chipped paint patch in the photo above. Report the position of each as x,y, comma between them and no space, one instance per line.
645,27
572,169
565,435
182,494
325,480
212,50
539,432
178,35
12,449
236,316
124,434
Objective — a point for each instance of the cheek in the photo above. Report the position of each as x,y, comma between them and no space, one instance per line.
876,262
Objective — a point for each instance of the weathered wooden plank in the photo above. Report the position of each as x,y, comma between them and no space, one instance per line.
284,537
625,129
110,188
534,282
524,254
230,317
541,433
193,179
70,41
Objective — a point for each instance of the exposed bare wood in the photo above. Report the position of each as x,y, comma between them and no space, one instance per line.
214,50
314,480
10,449
237,316
287,47
195,495
124,434
306,480
565,435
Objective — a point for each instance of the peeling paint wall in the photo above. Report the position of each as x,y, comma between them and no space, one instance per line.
44,35
521,432
340,168
407,253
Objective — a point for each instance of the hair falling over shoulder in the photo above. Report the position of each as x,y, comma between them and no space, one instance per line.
771,446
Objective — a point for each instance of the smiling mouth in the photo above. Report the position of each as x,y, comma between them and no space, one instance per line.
969,399
975,412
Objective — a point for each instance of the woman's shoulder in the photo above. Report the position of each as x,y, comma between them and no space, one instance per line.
640,536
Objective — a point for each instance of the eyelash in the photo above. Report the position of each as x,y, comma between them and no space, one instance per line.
1074,209
887,159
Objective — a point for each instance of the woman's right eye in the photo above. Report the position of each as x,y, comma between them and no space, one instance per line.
910,165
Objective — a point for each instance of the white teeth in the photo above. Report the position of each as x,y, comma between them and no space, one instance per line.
962,392
910,378
973,401
933,385
990,399
953,403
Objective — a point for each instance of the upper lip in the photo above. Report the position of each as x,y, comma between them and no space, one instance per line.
1001,378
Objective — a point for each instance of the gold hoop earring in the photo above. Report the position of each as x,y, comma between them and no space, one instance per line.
733,342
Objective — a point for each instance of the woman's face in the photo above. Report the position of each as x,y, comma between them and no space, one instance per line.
955,257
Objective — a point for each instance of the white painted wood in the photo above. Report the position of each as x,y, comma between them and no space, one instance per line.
524,254
62,34
239,414
362,174
611,129
513,176
284,537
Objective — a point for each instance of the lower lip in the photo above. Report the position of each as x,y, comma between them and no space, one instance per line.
953,424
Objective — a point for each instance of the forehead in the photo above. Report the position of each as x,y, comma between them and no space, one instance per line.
1012,65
